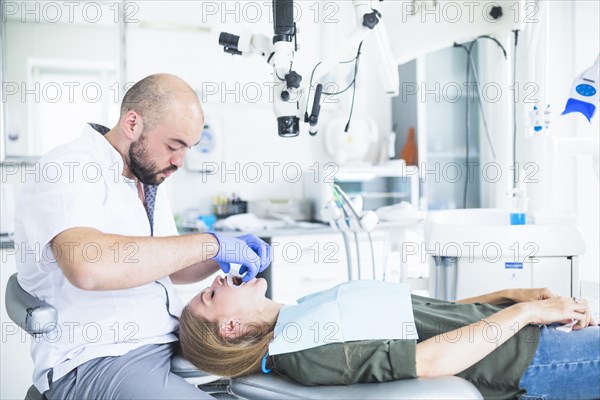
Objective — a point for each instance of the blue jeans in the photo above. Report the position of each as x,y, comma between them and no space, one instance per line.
565,365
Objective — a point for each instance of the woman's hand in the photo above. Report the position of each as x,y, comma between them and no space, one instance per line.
524,295
562,310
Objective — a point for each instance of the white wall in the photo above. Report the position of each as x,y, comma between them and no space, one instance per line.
568,184
586,47
38,46
574,45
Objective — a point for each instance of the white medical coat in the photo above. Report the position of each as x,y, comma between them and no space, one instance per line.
80,184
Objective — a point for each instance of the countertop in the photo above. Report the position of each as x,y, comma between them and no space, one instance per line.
288,231
7,242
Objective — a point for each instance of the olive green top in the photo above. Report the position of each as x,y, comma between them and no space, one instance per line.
496,376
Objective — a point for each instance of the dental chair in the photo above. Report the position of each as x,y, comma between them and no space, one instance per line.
37,317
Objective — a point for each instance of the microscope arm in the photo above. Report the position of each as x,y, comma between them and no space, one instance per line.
289,93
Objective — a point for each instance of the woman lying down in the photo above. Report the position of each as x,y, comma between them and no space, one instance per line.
505,343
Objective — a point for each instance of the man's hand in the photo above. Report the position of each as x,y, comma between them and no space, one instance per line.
261,248
234,250
525,295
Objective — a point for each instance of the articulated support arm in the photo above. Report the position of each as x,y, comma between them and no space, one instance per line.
289,93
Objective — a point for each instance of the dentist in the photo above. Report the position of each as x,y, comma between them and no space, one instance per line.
97,240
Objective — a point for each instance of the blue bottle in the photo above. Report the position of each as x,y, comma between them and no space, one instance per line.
518,207
518,218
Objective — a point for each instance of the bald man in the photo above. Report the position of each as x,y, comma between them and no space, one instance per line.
99,243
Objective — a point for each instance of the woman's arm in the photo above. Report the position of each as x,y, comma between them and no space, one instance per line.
437,356
510,295
499,297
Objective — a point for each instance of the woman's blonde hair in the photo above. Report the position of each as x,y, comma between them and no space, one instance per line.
203,346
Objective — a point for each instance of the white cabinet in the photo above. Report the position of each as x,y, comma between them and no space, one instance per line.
308,263
304,264
16,368
480,276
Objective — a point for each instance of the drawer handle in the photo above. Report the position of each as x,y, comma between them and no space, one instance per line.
320,279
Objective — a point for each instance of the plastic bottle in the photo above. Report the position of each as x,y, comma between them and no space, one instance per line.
518,207
392,144
409,152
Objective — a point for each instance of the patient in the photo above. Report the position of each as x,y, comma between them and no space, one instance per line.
505,342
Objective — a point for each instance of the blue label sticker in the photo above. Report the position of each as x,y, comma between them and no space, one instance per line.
513,265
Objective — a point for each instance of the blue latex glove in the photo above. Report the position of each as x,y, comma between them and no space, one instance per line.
234,250
261,248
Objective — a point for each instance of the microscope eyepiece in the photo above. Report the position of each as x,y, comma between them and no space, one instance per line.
288,126
230,43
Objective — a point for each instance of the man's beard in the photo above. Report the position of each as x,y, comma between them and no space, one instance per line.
141,166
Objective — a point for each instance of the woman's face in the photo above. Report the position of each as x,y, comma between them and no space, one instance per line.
220,302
